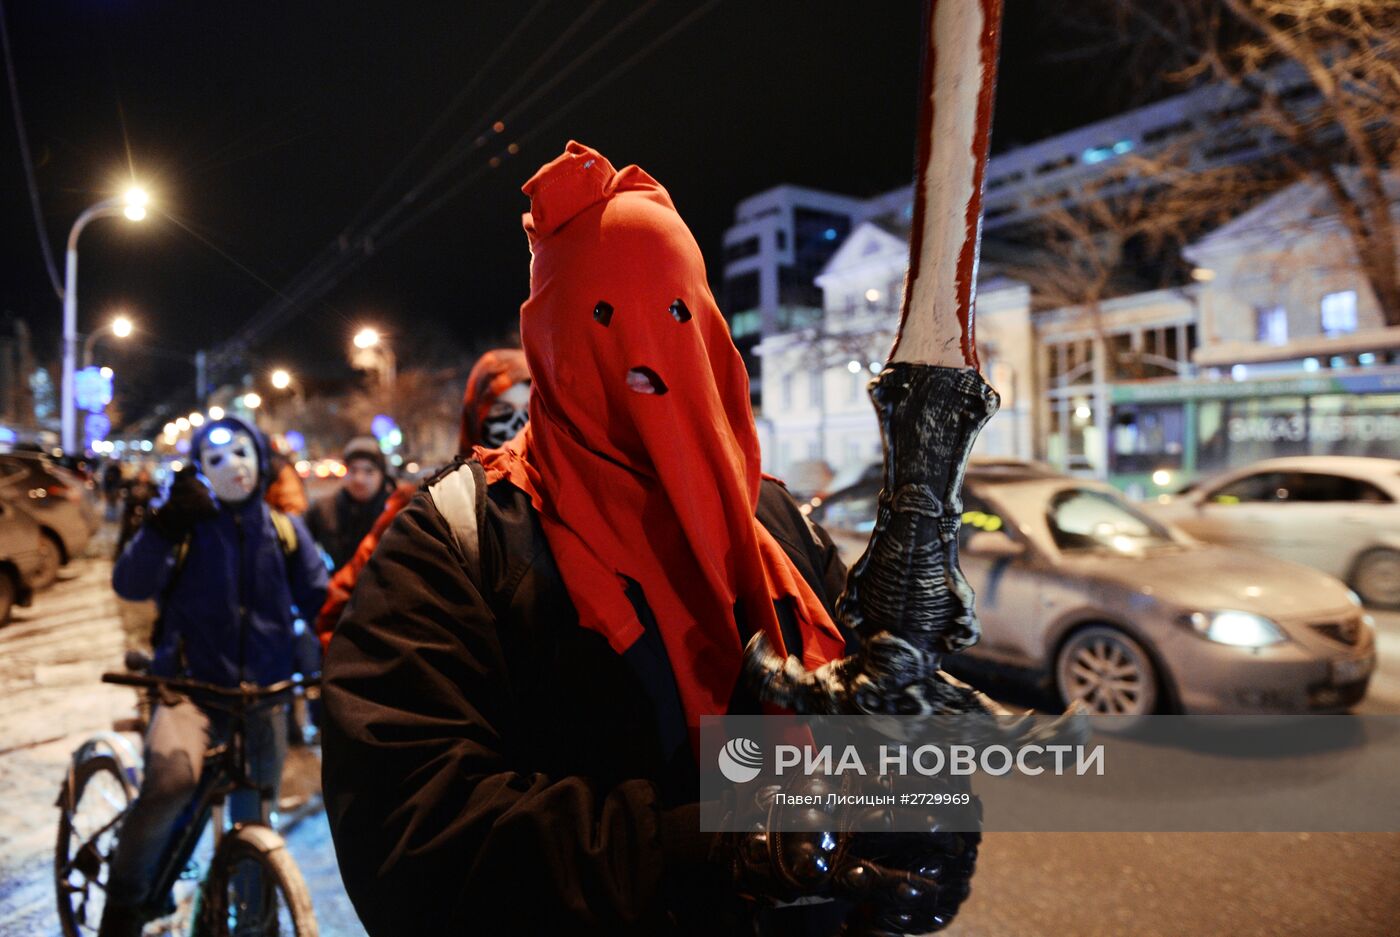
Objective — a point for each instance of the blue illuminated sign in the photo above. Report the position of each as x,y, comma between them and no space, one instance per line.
92,389
382,425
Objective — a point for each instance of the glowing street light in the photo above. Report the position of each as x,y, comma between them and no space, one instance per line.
196,418
252,401
133,205
281,379
216,413
134,202
374,352
182,424
121,327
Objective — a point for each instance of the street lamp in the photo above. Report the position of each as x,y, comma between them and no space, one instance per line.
374,352
252,401
121,327
132,204
281,379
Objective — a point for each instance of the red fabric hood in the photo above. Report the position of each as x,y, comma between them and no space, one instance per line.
494,373
658,488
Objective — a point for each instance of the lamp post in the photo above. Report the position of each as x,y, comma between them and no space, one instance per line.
133,205
121,327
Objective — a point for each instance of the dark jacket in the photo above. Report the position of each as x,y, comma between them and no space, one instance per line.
339,523
228,616
491,767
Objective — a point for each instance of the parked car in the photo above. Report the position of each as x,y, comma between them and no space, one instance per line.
1339,514
1078,588
20,557
60,502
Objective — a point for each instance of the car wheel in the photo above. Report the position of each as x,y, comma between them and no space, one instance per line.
1108,672
1376,578
50,559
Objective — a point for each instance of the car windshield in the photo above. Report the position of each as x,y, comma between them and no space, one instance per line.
1083,519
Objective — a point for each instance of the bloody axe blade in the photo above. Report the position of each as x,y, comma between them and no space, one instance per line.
906,598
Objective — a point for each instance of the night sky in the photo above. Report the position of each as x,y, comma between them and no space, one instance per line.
266,129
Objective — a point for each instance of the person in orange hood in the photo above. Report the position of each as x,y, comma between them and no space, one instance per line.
515,689
494,408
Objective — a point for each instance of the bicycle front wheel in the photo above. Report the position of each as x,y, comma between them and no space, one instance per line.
92,804
255,889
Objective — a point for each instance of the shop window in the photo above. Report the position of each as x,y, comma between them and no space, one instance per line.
744,324
1147,438
1271,324
1339,313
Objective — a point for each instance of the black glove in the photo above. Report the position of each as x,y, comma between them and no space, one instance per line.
898,883
189,501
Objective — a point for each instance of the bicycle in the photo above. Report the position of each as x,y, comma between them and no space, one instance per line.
252,885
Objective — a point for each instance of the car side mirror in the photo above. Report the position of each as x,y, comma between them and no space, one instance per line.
993,543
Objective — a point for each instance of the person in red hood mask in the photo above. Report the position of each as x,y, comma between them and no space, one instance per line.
494,409
515,689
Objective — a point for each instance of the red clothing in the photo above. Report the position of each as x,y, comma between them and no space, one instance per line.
494,373
657,488
343,582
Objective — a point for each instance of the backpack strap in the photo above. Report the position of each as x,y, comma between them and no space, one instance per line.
286,532
459,496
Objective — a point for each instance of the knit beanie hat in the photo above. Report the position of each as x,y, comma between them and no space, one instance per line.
365,447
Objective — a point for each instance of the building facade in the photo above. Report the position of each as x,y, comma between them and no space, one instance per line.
816,405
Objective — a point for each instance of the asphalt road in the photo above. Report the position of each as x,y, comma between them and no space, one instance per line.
1183,884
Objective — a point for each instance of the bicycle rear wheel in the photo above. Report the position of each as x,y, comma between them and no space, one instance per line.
255,889
89,820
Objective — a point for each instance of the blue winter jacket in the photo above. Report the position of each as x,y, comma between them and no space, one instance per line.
229,615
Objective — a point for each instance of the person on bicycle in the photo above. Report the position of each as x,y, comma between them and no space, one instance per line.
515,690
231,577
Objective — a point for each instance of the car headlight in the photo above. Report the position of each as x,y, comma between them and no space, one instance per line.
1238,629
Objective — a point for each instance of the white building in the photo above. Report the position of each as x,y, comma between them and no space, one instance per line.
816,407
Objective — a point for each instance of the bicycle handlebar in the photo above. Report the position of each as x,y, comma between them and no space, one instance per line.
246,691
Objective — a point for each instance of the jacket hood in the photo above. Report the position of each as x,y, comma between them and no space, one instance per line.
236,424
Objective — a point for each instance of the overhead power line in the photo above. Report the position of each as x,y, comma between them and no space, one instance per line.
352,248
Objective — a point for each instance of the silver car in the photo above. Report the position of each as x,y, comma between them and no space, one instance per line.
58,500
1076,585
1339,514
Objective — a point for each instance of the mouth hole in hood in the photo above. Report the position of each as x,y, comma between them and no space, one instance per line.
643,380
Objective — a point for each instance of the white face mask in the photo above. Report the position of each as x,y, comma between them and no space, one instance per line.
230,462
507,416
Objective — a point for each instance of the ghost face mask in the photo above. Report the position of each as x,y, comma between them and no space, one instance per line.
230,462
507,416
